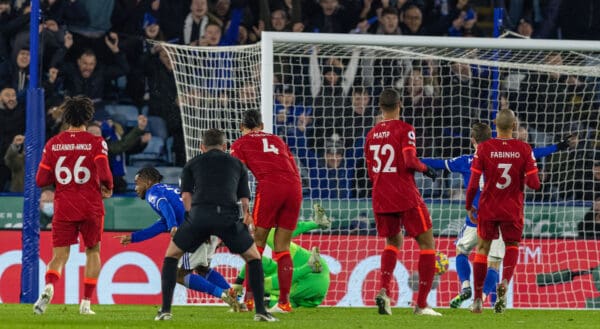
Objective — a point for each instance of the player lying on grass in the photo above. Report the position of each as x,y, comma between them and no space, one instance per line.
467,238
310,280
166,202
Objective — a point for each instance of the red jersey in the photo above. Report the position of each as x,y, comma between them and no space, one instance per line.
268,157
390,154
506,165
76,163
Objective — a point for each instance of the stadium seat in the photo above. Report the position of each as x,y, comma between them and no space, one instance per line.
157,127
126,115
130,172
170,174
153,154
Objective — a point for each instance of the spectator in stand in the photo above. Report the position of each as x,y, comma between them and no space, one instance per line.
287,111
14,159
278,19
589,228
465,25
88,34
163,101
358,116
196,22
14,27
135,139
12,123
15,74
6,15
331,178
89,77
332,16
412,20
388,23
46,208
525,28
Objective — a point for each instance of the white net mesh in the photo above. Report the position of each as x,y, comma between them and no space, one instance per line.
325,100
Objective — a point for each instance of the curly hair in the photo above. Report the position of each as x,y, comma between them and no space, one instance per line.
77,111
150,174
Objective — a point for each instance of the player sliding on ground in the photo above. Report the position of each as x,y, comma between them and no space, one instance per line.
467,239
166,202
310,281
391,159
507,165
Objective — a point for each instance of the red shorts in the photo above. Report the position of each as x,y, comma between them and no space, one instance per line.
512,230
415,222
65,233
277,206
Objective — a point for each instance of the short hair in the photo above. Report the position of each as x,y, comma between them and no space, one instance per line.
252,119
150,174
213,137
505,119
77,111
481,132
389,99
389,11
359,90
87,52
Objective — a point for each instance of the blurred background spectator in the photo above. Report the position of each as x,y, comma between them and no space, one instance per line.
46,208
14,159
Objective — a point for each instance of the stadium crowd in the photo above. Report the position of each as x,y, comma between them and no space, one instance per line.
324,106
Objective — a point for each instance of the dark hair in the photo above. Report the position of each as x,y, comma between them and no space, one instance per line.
388,99
359,90
252,119
389,11
87,52
481,132
150,173
213,137
77,111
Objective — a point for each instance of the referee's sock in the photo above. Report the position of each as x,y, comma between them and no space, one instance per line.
168,278
256,278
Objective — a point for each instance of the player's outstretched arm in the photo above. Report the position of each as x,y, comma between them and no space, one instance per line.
149,232
435,163
411,161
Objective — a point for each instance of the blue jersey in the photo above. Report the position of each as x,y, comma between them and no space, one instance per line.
166,202
462,165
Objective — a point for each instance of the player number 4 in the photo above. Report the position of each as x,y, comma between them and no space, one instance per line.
64,175
507,180
269,147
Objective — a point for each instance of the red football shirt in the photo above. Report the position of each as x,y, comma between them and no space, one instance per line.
389,149
504,163
268,157
76,163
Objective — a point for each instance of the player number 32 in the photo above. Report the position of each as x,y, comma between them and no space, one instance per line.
385,151
64,175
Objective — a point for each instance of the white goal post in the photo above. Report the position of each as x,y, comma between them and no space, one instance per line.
319,92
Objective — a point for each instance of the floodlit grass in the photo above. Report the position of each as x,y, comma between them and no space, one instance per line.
14,316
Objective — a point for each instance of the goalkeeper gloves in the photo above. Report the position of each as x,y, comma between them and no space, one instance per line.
431,173
564,144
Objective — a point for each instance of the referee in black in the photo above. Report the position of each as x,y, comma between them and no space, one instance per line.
211,185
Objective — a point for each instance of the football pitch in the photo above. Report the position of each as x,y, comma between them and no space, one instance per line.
14,316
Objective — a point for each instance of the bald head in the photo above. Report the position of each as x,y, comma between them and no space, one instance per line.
506,120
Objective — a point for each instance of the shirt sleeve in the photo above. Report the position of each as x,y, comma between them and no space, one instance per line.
167,212
409,151
102,166
187,179
435,163
237,152
45,173
149,232
531,171
476,172
540,152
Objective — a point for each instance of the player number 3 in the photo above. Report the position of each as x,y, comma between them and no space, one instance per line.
64,175
507,180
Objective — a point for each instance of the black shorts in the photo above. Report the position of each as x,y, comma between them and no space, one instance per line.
206,221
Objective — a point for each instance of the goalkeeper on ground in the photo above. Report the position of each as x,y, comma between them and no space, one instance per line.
166,202
310,280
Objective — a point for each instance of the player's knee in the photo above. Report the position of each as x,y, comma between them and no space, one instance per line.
494,263
93,250
181,273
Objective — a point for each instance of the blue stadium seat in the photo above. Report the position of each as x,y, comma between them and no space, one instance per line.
157,127
170,174
130,172
126,115
153,154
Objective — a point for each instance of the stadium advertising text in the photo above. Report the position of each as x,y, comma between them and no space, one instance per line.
131,275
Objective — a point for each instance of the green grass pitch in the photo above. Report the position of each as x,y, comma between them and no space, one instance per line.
13,316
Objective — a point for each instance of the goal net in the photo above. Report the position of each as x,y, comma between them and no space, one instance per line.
319,93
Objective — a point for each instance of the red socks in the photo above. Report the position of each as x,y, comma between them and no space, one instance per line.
389,257
479,273
511,258
426,273
89,284
52,276
285,270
